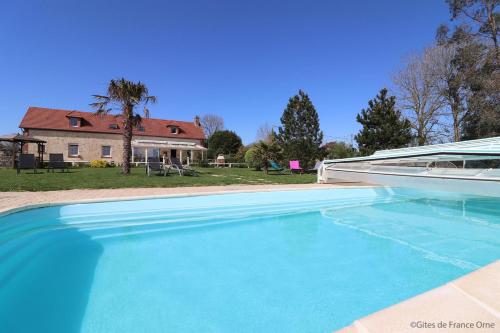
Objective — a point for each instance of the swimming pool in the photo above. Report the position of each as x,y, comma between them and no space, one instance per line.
289,261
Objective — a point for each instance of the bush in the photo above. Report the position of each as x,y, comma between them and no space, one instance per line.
249,158
240,155
203,164
98,164
339,149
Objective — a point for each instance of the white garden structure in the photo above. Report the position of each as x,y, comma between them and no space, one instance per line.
468,167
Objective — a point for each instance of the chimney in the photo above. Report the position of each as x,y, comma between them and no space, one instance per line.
197,121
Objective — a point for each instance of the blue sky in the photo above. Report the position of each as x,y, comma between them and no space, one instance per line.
241,60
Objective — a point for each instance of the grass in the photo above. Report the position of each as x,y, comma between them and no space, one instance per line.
85,178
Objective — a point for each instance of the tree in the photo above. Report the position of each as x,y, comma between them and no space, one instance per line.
223,142
481,12
483,118
265,133
125,96
383,126
418,94
265,151
211,123
9,148
451,84
468,82
476,67
300,135
339,149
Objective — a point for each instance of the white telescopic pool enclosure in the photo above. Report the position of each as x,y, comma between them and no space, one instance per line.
467,167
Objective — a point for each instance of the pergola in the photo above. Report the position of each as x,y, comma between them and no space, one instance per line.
168,144
22,140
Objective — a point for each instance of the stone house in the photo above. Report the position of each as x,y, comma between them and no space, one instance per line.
83,136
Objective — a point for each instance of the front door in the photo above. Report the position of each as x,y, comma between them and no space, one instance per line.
173,153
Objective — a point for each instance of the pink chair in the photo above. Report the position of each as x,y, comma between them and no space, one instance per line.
295,166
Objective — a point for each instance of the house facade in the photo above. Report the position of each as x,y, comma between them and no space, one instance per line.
85,136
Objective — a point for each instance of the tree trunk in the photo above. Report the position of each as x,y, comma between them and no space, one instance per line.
420,133
456,106
456,126
493,26
127,145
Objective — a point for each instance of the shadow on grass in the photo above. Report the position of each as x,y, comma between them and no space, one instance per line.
44,172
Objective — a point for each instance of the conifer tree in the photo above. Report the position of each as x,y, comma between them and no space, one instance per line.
383,126
300,135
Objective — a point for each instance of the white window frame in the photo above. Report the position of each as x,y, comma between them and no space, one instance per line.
77,122
77,149
174,130
110,151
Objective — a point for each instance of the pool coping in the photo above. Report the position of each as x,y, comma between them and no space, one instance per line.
33,200
473,299
473,292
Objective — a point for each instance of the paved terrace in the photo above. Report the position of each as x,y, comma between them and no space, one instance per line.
468,304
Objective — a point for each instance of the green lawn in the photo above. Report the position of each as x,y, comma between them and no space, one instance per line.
111,178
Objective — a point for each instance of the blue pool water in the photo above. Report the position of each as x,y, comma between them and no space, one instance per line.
298,261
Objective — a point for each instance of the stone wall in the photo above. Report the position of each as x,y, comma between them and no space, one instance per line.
89,144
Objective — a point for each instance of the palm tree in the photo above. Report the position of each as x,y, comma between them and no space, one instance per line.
124,95
265,151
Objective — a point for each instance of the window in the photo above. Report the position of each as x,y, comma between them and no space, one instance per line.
138,154
113,126
141,129
106,151
174,130
73,150
73,122
154,152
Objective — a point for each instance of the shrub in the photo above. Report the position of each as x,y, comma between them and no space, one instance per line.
240,155
204,164
338,149
249,158
98,164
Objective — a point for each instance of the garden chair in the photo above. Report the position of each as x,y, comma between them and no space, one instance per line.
275,167
154,165
26,161
56,161
175,164
295,167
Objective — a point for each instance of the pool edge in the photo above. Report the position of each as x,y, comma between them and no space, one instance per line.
468,299
34,200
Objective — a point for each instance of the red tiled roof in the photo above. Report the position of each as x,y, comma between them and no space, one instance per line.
55,119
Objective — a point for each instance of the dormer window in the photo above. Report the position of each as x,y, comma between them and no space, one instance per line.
74,122
141,128
113,126
174,129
